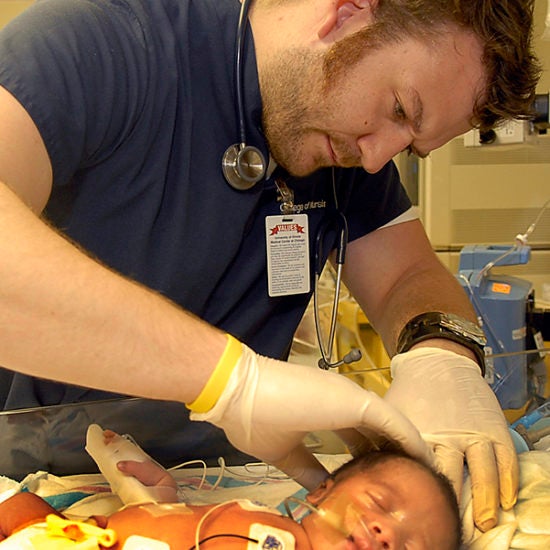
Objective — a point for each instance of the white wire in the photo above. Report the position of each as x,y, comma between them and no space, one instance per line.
521,240
189,463
268,473
203,519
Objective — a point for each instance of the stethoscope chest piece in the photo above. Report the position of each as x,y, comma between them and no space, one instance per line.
243,166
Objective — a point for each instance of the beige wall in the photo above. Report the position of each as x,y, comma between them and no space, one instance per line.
542,47
10,8
490,194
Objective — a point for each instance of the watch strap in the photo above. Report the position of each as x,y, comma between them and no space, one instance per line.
430,325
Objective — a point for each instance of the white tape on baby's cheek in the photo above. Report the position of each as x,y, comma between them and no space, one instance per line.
135,542
270,538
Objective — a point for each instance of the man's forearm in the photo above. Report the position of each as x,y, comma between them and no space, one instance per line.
433,289
64,316
395,276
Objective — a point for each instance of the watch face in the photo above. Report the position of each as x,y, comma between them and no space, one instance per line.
464,327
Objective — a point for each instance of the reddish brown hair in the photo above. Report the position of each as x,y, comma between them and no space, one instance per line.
503,27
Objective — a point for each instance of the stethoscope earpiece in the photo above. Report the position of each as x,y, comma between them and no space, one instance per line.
243,166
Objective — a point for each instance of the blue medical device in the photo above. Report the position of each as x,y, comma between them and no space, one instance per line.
501,303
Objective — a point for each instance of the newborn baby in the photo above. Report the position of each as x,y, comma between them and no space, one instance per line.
383,500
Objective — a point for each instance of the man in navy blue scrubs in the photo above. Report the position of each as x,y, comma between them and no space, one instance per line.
127,259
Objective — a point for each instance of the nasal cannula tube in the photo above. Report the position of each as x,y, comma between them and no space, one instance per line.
342,515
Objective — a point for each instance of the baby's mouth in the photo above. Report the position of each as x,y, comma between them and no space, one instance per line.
358,544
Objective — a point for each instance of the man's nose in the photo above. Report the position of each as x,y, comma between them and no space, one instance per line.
379,148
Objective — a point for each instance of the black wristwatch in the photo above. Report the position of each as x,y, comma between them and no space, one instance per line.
444,325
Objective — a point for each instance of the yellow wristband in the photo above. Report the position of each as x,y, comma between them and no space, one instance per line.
212,390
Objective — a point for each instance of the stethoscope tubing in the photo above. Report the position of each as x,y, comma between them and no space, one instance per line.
339,222
244,166
239,77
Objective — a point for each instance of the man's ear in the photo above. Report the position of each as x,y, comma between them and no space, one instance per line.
346,17
317,496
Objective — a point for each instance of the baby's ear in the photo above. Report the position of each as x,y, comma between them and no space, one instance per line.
317,496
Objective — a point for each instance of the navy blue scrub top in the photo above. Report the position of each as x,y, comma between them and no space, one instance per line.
135,101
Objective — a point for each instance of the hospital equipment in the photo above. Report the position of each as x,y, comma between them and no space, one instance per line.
534,416
532,436
339,223
534,425
504,304
343,515
541,107
260,536
243,165
501,303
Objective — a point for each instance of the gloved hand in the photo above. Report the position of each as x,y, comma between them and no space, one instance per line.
268,406
446,397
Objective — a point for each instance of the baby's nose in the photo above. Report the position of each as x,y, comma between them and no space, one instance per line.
384,535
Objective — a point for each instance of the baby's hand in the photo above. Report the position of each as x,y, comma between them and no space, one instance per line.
133,475
149,473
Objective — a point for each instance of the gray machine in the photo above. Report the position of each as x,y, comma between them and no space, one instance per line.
501,303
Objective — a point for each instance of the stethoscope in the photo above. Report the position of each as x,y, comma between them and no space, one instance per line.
339,223
244,166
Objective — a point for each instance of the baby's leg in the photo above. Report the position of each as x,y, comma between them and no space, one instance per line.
21,510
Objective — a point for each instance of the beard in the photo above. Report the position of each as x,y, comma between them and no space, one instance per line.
300,93
291,88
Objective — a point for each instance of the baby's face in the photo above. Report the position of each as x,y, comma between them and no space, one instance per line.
395,505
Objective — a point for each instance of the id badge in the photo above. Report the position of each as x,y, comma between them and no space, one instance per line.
287,243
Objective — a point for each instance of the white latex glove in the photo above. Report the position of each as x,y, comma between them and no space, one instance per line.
446,397
268,406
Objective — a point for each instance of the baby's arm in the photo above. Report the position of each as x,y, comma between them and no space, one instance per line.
131,472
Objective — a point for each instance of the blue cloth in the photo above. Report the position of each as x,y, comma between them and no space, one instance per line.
135,101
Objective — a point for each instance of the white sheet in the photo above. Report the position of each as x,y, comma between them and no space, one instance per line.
527,526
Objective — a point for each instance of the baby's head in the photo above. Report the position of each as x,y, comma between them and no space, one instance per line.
384,500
